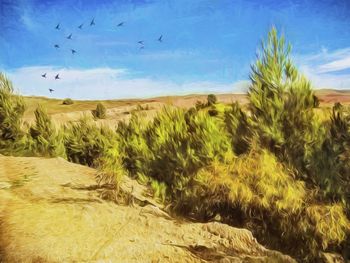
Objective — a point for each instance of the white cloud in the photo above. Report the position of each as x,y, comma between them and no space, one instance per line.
326,69
164,55
336,65
328,80
106,83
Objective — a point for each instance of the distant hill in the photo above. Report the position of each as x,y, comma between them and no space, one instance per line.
55,106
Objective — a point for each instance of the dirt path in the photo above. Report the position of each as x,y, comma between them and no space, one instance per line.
51,211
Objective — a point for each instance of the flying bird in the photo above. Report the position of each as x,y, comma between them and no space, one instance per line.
160,39
81,26
58,26
73,51
92,23
56,46
70,36
57,76
140,42
142,47
121,24
51,90
44,75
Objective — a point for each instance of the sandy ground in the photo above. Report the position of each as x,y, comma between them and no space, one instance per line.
52,211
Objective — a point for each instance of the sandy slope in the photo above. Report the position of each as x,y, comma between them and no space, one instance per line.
51,211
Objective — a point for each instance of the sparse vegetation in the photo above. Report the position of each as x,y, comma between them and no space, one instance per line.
275,168
67,101
139,107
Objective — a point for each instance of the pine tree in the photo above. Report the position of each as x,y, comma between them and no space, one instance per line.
281,103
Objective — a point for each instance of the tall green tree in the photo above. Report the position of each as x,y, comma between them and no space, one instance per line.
281,104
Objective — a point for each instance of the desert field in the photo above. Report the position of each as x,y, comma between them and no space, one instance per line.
120,110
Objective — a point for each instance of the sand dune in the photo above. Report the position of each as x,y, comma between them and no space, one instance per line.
52,211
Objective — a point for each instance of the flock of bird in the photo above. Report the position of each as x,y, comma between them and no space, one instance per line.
73,51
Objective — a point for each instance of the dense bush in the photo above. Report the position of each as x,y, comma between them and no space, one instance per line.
85,142
339,140
331,164
11,111
257,192
99,112
43,138
132,142
67,101
172,147
181,144
238,127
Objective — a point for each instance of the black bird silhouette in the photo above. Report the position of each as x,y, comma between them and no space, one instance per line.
51,90
81,26
58,26
57,76
44,75
73,51
121,24
160,39
140,42
56,46
92,23
70,36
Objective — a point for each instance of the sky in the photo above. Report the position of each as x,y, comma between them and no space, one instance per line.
207,45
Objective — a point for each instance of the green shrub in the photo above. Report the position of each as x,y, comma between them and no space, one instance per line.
316,101
168,140
99,112
213,112
238,128
136,154
257,192
182,143
85,142
337,106
159,190
211,99
110,167
200,105
98,147
67,101
172,147
332,167
44,139
12,108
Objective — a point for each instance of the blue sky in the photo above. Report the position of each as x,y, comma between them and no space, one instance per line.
208,45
